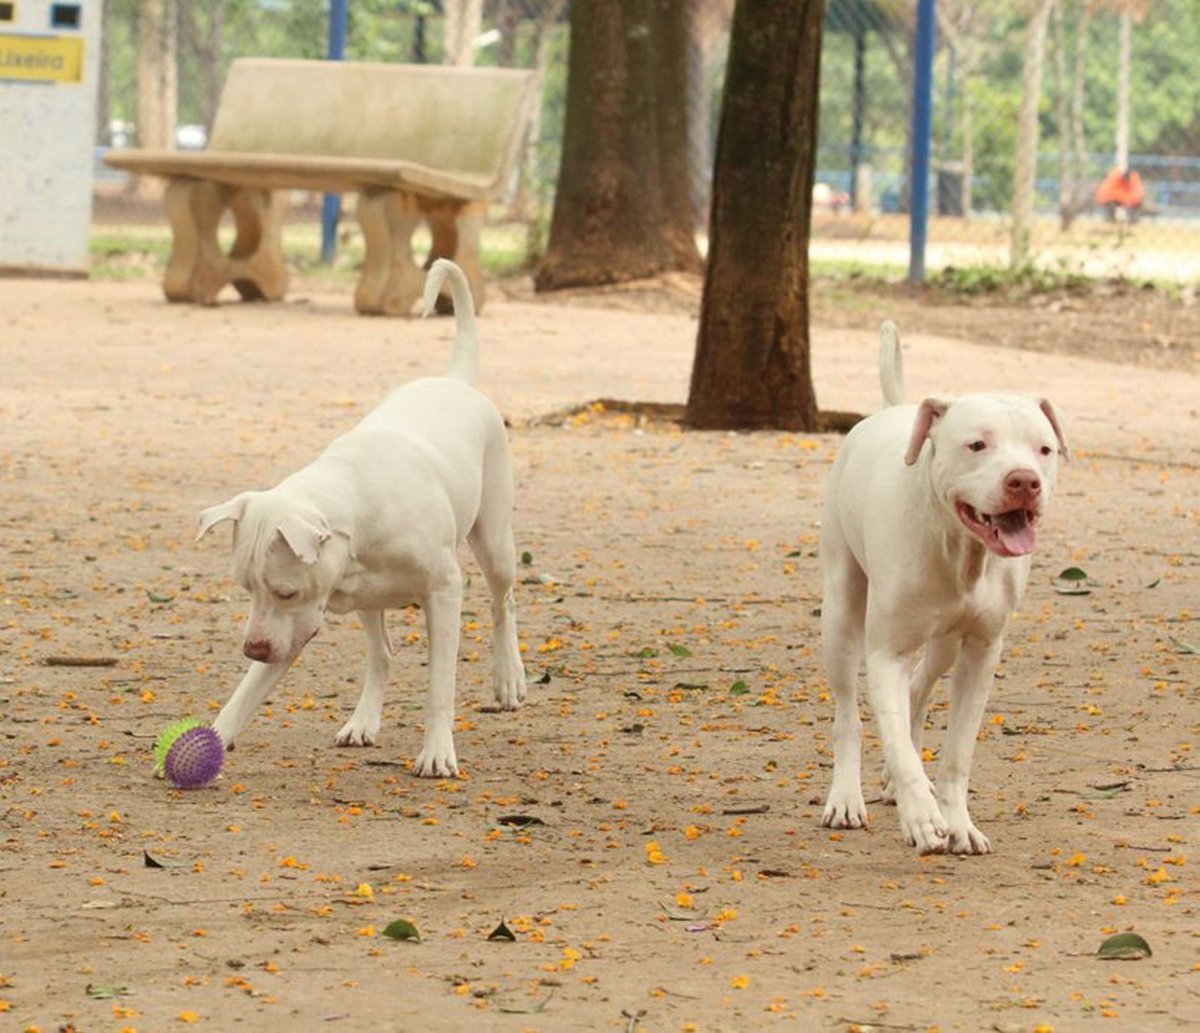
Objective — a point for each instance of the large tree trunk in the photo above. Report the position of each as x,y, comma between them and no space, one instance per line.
1027,134
621,209
752,353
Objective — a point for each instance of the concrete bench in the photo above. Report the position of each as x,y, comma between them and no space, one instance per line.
417,143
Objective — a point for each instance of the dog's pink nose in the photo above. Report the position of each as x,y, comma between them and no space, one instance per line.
257,649
1023,482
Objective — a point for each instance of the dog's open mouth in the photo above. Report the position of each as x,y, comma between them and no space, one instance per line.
1012,533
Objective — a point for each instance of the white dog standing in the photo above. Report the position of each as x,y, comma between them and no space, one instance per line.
375,522
929,523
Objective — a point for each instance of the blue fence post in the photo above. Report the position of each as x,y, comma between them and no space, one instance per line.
331,207
922,140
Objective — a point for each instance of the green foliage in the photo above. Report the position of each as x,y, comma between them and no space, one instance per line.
1023,282
986,69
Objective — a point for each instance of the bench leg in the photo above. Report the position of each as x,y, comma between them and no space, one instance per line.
198,269
256,265
185,240
456,228
390,282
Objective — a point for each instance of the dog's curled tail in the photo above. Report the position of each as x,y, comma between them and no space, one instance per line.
891,364
464,359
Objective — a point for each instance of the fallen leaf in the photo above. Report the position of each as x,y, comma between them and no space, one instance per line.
1124,947
401,929
1072,581
503,932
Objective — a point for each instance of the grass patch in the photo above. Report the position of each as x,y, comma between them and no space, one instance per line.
141,252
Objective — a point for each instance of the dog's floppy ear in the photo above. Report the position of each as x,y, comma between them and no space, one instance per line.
231,510
305,534
928,412
1050,411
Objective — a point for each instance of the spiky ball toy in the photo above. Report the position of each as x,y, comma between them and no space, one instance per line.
190,754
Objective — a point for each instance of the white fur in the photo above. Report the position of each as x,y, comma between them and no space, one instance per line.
375,522
919,578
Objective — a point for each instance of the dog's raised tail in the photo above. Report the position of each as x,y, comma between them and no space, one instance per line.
891,364
464,359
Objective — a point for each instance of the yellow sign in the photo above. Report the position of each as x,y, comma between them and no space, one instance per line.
41,58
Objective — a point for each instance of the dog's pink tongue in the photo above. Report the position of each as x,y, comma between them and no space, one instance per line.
1016,532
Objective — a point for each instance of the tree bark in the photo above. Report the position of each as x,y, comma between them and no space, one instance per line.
752,366
621,211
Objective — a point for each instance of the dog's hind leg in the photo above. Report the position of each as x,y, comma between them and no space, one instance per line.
363,727
842,614
491,541
443,612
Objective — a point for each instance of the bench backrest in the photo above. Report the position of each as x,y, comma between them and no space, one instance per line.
468,120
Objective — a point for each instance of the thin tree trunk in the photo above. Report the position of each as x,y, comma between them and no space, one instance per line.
1077,101
967,128
1124,74
699,108
464,20
752,365
103,86
1027,134
529,200
1062,101
671,90
157,83
206,42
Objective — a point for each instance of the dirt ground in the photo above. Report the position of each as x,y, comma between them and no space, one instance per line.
647,827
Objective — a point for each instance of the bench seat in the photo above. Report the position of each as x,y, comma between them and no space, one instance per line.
417,143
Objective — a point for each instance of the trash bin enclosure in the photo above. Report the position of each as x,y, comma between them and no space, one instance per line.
49,70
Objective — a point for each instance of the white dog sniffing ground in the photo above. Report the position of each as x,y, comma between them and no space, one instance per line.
930,518
375,522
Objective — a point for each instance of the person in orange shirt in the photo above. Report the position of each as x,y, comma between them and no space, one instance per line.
1121,189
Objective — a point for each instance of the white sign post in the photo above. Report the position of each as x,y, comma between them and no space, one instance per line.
49,70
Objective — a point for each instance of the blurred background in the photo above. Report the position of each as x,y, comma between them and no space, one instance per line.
1112,82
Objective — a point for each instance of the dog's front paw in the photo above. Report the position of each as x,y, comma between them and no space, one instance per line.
922,822
845,809
888,793
967,839
437,758
358,733
510,687
964,837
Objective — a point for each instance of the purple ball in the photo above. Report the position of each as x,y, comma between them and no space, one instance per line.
195,758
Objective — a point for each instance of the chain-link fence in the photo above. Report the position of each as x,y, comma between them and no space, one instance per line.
1117,93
